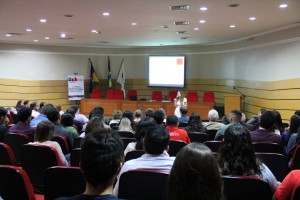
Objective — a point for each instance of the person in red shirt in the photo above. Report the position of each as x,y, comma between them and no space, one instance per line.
175,132
285,189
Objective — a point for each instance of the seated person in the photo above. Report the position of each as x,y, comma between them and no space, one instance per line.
116,117
195,174
138,115
24,115
237,156
75,122
3,126
43,136
156,141
100,167
42,116
33,107
195,124
160,116
125,125
149,112
67,121
129,115
285,189
265,132
80,117
183,118
212,124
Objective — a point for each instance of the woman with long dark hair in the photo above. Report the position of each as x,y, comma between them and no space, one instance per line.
293,128
237,156
294,140
195,124
195,174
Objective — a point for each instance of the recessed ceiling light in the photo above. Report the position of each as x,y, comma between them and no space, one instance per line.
8,35
196,28
43,20
202,21
105,14
182,7
94,31
133,23
203,8
283,5
35,40
232,26
164,26
47,38
28,30
252,18
63,35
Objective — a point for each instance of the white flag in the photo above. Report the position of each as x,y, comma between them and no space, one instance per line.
121,78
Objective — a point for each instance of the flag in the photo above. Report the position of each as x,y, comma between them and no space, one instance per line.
109,75
121,78
94,80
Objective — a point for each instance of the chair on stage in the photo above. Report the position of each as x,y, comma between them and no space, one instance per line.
132,95
192,97
157,95
119,95
208,97
96,94
110,94
172,95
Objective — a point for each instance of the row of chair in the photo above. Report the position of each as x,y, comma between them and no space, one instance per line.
192,96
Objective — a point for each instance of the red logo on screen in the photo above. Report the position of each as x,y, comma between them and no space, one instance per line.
179,61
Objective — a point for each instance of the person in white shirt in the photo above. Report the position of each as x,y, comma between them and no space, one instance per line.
156,141
33,107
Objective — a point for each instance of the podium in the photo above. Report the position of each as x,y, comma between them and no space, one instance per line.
232,102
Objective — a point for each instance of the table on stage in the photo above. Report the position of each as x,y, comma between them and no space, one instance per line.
86,105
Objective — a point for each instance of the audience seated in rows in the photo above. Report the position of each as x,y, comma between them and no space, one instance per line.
237,156
266,133
24,115
67,122
156,141
175,132
195,124
141,128
195,175
42,116
285,189
80,117
184,118
43,136
3,126
101,161
54,116
212,123
116,117
234,117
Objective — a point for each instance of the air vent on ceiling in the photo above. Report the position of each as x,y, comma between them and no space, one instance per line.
182,7
15,33
182,32
182,23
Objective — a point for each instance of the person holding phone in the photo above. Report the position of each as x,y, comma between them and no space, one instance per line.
179,101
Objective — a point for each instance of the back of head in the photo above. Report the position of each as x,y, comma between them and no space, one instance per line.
128,114
149,112
42,104
24,113
236,116
71,111
25,103
97,111
183,110
53,115
213,115
141,128
172,120
138,113
125,125
117,114
195,174
3,112
33,105
58,107
237,156
156,140
94,124
294,124
66,119
46,108
267,120
159,116
44,131
101,156
278,121
75,107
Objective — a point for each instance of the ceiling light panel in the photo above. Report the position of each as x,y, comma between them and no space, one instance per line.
177,23
182,7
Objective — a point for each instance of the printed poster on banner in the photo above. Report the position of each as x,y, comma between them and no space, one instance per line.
75,87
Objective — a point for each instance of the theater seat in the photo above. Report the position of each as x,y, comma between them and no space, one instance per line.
132,95
110,94
15,184
119,95
7,156
63,143
208,97
157,95
172,95
96,94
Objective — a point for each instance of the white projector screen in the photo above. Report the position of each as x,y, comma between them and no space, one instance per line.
167,71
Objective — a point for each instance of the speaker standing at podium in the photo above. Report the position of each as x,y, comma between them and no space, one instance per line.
179,101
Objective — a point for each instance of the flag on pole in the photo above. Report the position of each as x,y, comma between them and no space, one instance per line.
94,80
121,78
109,75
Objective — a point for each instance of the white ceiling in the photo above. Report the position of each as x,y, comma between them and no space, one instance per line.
117,31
